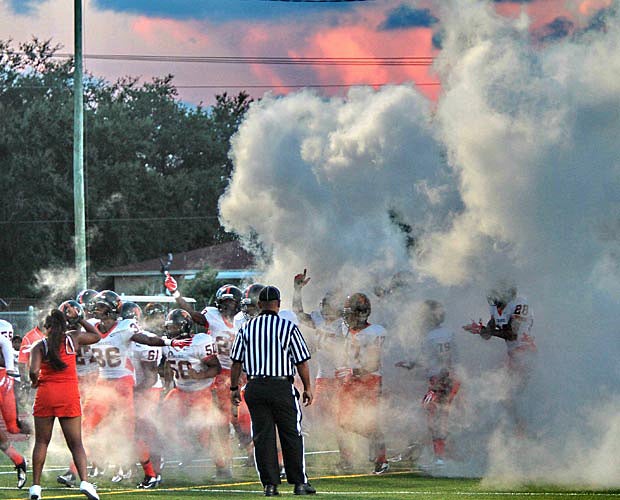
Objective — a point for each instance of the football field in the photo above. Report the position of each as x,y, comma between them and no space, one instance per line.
398,485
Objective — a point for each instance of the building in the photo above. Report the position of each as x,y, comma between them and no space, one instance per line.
230,260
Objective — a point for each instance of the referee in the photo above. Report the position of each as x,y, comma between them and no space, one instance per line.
269,348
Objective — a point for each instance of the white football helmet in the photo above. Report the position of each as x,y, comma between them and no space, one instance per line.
503,292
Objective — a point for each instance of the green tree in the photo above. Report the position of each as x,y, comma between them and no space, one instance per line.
154,167
202,287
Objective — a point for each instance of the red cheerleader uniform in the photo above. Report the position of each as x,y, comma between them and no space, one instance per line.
58,394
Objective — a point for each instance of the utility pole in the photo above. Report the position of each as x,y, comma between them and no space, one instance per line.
78,151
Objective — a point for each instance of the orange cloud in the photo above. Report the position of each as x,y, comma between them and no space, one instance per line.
158,31
589,7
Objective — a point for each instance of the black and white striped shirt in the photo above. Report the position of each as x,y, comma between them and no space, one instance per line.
269,345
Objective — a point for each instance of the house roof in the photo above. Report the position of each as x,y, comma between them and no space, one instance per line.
229,256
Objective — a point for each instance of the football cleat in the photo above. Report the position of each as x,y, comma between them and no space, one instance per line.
381,467
89,490
95,471
67,479
34,493
149,482
122,474
21,474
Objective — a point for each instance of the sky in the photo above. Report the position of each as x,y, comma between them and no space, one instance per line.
507,169
260,28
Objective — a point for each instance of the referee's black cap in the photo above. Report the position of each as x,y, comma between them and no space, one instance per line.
269,293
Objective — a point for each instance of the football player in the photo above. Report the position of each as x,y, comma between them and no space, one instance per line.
147,395
362,375
8,405
511,320
154,318
329,346
87,367
220,321
112,399
437,359
30,337
194,368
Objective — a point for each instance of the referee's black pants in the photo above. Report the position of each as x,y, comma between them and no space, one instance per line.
274,403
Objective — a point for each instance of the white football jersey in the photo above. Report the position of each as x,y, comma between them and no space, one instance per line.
113,351
223,332
521,314
330,345
141,353
203,346
438,351
364,348
239,321
85,362
7,351
6,329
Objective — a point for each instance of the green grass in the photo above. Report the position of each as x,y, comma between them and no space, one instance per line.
195,482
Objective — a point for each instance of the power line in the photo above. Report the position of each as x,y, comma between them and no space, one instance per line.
298,86
296,61
257,86
125,219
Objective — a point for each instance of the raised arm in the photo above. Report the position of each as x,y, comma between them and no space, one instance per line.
171,285
87,335
299,281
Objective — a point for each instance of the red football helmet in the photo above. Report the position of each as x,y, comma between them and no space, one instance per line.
356,311
432,314
228,299
107,304
249,302
179,324
131,310
72,310
85,298
330,306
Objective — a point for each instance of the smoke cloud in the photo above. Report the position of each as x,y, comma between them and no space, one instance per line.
512,173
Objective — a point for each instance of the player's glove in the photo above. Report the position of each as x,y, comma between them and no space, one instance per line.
300,280
429,399
405,364
181,343
343,373
170,283
474,327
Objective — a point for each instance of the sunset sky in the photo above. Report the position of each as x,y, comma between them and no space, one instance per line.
263,28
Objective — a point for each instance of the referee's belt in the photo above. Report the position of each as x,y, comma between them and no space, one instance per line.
268,377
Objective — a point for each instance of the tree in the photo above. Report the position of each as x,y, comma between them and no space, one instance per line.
154,167
202,287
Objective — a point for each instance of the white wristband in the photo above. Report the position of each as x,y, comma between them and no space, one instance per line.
167,342
176,294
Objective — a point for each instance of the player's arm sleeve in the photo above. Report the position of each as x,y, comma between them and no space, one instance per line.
24,351
7,352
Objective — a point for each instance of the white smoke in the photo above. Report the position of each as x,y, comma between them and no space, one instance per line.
512,173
